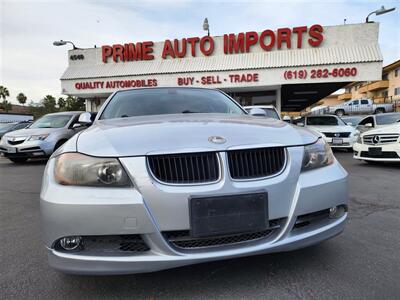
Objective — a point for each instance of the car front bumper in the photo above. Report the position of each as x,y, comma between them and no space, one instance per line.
28,149
151,209
390,152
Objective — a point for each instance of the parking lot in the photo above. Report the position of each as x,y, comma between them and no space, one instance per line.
363,262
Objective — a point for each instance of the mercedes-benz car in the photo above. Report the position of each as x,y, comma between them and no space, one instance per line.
167,177
379,145
378,121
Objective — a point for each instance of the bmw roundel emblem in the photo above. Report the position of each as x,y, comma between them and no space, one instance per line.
217,140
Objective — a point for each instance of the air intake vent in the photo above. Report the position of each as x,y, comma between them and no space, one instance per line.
256,163
185,168
337,134
182,239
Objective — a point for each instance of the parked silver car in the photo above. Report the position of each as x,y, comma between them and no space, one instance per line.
41,138
12,126
167,177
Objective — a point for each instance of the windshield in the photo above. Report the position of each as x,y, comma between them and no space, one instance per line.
324,121
6,126
144,102
384,119
52,121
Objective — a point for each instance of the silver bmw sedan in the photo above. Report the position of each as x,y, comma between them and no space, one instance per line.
167,177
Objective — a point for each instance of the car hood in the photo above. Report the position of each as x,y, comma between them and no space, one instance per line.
31,131
393,128
144,135
338,128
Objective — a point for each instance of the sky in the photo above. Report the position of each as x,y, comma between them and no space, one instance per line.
29,62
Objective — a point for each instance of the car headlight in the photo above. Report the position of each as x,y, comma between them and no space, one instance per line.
39,137
84,170
359,139
317,155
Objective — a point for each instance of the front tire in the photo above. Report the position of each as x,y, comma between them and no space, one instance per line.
339,112
18,160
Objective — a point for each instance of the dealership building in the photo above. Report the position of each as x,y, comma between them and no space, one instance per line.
290,68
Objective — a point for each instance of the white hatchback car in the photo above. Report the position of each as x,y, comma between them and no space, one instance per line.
334,131
382,144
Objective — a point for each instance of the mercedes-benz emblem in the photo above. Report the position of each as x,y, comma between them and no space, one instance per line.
376,139
217,139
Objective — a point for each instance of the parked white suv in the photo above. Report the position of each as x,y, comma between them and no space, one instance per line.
335,132
382,144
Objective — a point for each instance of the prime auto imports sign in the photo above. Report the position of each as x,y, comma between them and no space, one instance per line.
242,42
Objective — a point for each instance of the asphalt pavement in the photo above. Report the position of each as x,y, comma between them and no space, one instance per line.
361,263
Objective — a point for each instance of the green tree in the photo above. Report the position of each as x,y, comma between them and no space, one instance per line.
49,104
4,93
61,103
21,98
74,104
36,110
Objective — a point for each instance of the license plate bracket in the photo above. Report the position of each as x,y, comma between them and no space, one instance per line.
228,214
337,141
12,150
375,151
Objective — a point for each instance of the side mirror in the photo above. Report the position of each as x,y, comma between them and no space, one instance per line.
300,124
369,125
77,125
257,112
85,118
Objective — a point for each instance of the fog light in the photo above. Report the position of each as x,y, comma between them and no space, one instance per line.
71,242
337,211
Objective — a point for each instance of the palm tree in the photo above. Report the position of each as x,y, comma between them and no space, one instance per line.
61,103
21,98
4,93
49,104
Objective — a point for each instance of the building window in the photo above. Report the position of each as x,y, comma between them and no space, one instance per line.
385,93
385,77
397,91
396,72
